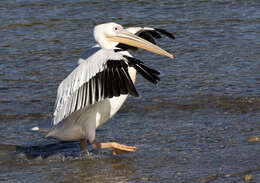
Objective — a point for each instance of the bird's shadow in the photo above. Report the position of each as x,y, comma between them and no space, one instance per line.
62,148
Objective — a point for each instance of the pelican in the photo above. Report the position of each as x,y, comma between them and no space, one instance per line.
96,89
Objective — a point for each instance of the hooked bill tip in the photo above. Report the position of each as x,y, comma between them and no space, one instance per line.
171,56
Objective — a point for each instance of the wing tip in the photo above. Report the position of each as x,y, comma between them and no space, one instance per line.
165,32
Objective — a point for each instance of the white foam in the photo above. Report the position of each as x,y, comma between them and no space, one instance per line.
36,128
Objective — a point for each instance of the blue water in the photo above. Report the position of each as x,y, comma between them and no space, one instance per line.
192,127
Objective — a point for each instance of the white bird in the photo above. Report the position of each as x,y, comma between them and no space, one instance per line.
96,89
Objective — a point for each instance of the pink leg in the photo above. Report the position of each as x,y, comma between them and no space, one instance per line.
83,144
117,148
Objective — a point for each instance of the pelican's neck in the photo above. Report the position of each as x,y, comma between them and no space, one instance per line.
103,41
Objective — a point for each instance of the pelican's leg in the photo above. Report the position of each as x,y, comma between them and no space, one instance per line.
117,148
83,147
83,144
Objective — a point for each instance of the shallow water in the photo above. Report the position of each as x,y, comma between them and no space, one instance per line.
192,127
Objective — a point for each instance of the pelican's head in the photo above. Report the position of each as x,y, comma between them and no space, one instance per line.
108,35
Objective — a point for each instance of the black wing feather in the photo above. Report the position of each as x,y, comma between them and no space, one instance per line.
147,36
166,33
149,69
148,73
126,47
154,34
122,78
97,87
115,87
90,91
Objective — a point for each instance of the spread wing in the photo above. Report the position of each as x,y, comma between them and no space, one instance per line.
103,75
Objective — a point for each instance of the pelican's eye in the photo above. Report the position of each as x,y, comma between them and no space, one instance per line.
117,29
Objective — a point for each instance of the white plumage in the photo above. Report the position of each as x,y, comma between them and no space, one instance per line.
95,90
